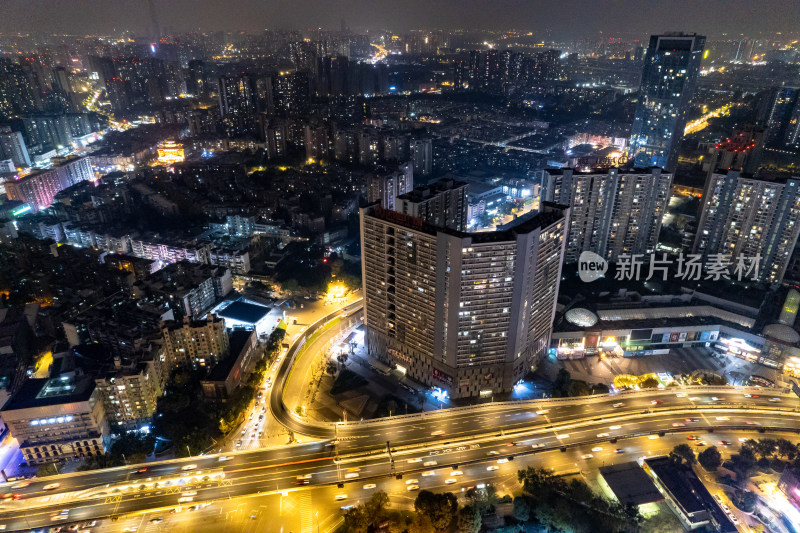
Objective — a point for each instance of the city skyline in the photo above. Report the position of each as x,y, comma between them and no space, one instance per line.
581,19
311,268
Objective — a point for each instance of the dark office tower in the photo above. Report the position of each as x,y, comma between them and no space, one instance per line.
422,156
196,78
291,92
332,76
316,141
741,151
118,94
101,68
237,104
273,133
780,112
670,71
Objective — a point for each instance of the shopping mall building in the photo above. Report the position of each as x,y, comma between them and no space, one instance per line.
654,326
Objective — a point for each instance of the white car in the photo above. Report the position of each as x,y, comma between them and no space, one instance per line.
450,481
597,449
351,475
562,436
602,435
587,456
225,458
437,433
618,404
369,486
185,499
615,427
492,468
502,461
542,412
188,467
456,473
412,487
51,486
340,497
430,463
412,482
428,473
415,460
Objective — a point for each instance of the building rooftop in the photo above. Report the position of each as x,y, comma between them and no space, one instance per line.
423,192
547,215
244,312
682,483
630,484
51,391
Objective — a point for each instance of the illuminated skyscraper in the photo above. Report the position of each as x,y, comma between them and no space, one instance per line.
670,71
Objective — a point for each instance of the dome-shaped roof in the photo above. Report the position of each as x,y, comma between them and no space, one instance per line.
582,317
782,333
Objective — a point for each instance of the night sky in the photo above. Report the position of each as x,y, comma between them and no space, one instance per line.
565,19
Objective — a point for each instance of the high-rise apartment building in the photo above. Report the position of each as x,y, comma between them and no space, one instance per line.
39,188
442,204
469,313
750,217
780,112
612,212
422,156
238,104
317,141
291,92
369,147
385,187
12,146
668,79
274,134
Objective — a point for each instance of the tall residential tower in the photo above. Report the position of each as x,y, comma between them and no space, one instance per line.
670,71
469,313
613,212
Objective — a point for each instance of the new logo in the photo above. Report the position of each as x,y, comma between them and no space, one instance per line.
591,267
